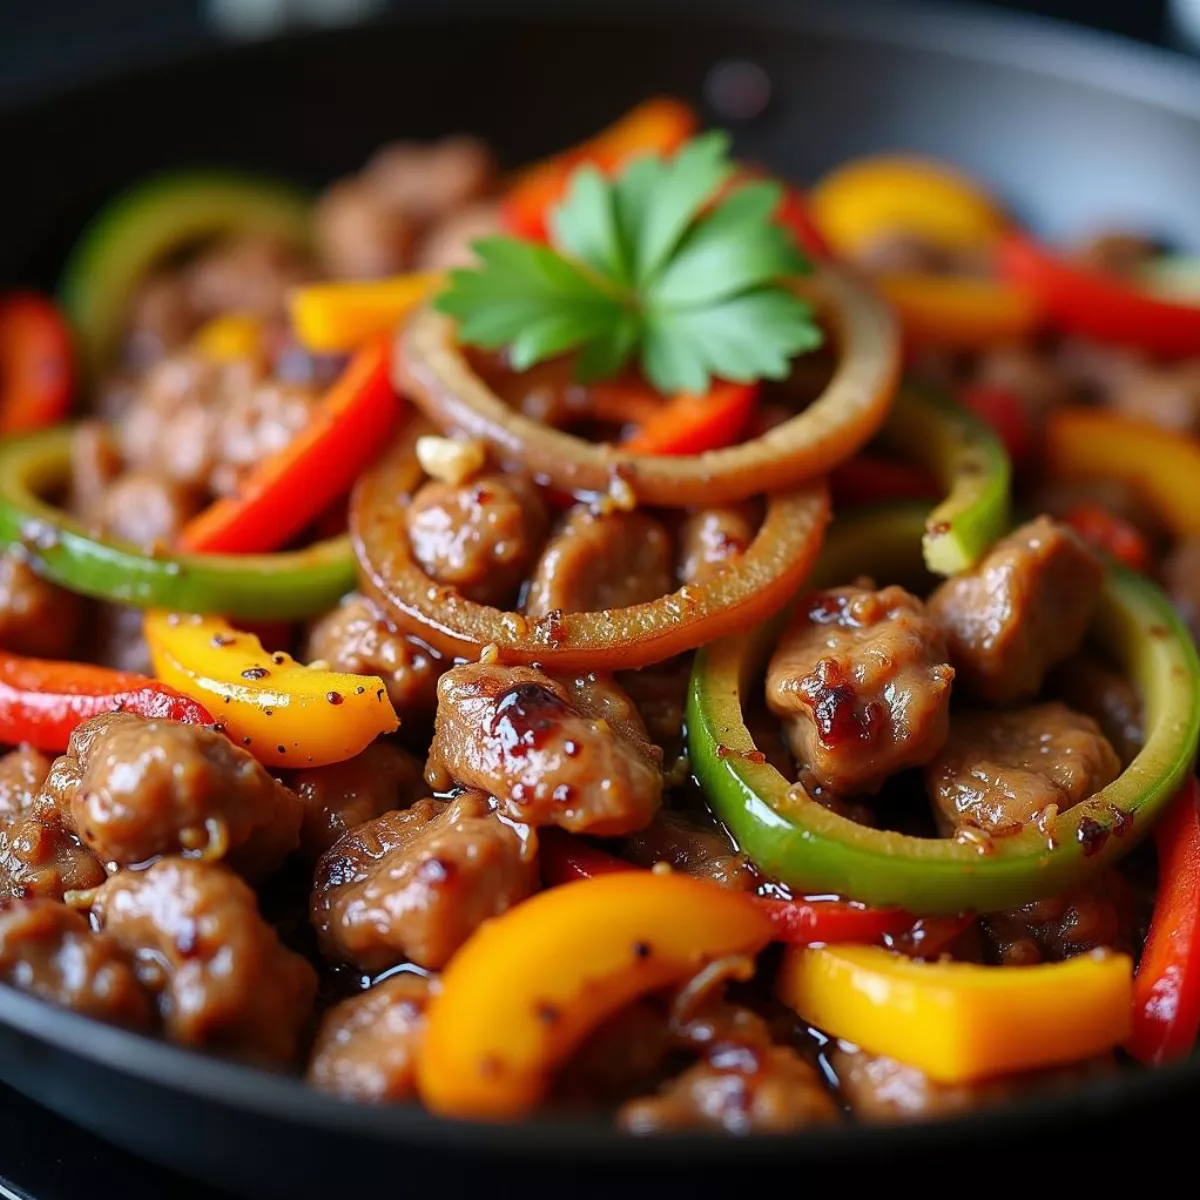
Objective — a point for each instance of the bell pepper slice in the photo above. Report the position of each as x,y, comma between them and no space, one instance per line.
270,587
1089,443
1110,535
569,958
656,126
869,197
794,215
36,368
336,318
1003,412
42,701
1166,989
291,488
961,311
284,713
968,461
1087,302
687,424
154,220
792,838
231,337
959,1022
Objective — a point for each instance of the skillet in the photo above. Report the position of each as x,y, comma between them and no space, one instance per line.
1073,129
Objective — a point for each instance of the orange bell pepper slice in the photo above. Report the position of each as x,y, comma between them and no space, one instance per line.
687,424
230,337
960,310
287,491
36,364
656,126
1110,535
568,959
336,318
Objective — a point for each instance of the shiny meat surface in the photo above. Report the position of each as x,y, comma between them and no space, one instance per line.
1000,770
572,753
366,1046
37,619
416,884
355,638
622,1058
134,789
48,950
862,685
427,181
145,509
710,538
41,856
339,796
479,537
659,693
690,847
593,562
22,773
1021,610
1090,686
221,977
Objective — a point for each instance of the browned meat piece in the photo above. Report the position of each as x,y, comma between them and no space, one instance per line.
692,848
1090,686
479,537
249,274
221,977
593,562
1022,609
145,509
861,682
22,773
95,463
428,181
48,950
659,693
116,639
354,637
1116,252
711,537
1166,395
135,789
338,797
1029,374
739,1090
447,243
41,856
36,618
573,754
882,1090
1000,770
620,1059
416,884
1098,914
1181,578
359,235
1094,369
366,1047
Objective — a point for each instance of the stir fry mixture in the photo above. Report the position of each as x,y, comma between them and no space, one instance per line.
626,636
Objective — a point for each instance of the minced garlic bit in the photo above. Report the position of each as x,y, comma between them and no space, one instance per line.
318,664
449,459
661,868
622,495
489,654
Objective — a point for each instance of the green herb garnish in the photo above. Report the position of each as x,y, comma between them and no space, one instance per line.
644,263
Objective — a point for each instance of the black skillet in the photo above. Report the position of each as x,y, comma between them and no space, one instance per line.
1073,129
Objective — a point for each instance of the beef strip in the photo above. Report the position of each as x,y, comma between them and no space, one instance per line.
37,618
41,856
22,773
690,847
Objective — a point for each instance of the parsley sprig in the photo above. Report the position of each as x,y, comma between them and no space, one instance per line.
645,264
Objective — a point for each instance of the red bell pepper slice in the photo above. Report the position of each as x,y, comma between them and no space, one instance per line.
797,922
289,490
1110,535
872,479
1088,302
1166,989
793,215
1007,416
36,367
687,424
41,701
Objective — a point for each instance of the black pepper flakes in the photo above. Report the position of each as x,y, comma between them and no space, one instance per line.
279,658
281,749
547,1013
334,698
221,640
255,673
360,690
641,949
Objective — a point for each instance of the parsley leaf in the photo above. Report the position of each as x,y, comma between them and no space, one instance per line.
648,264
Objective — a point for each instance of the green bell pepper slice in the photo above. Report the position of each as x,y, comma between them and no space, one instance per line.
969,463
268,587
154,220
799,842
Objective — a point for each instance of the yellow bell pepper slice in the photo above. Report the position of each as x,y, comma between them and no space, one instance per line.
869,197
530,985
230,337
1161,465
284,713
959,1022
959,310
335,318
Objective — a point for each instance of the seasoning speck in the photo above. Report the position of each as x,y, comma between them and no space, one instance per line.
255,673
641,949
334,697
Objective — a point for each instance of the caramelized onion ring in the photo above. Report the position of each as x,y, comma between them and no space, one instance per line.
432,370
736,599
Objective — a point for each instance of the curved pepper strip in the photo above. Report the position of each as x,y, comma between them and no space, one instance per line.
959,1022
288,490
683,424
1166,989
42,701
1088,443
267,587
231,337
969,462
36,364
804,845
962,311
336,318
284,713
570,957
